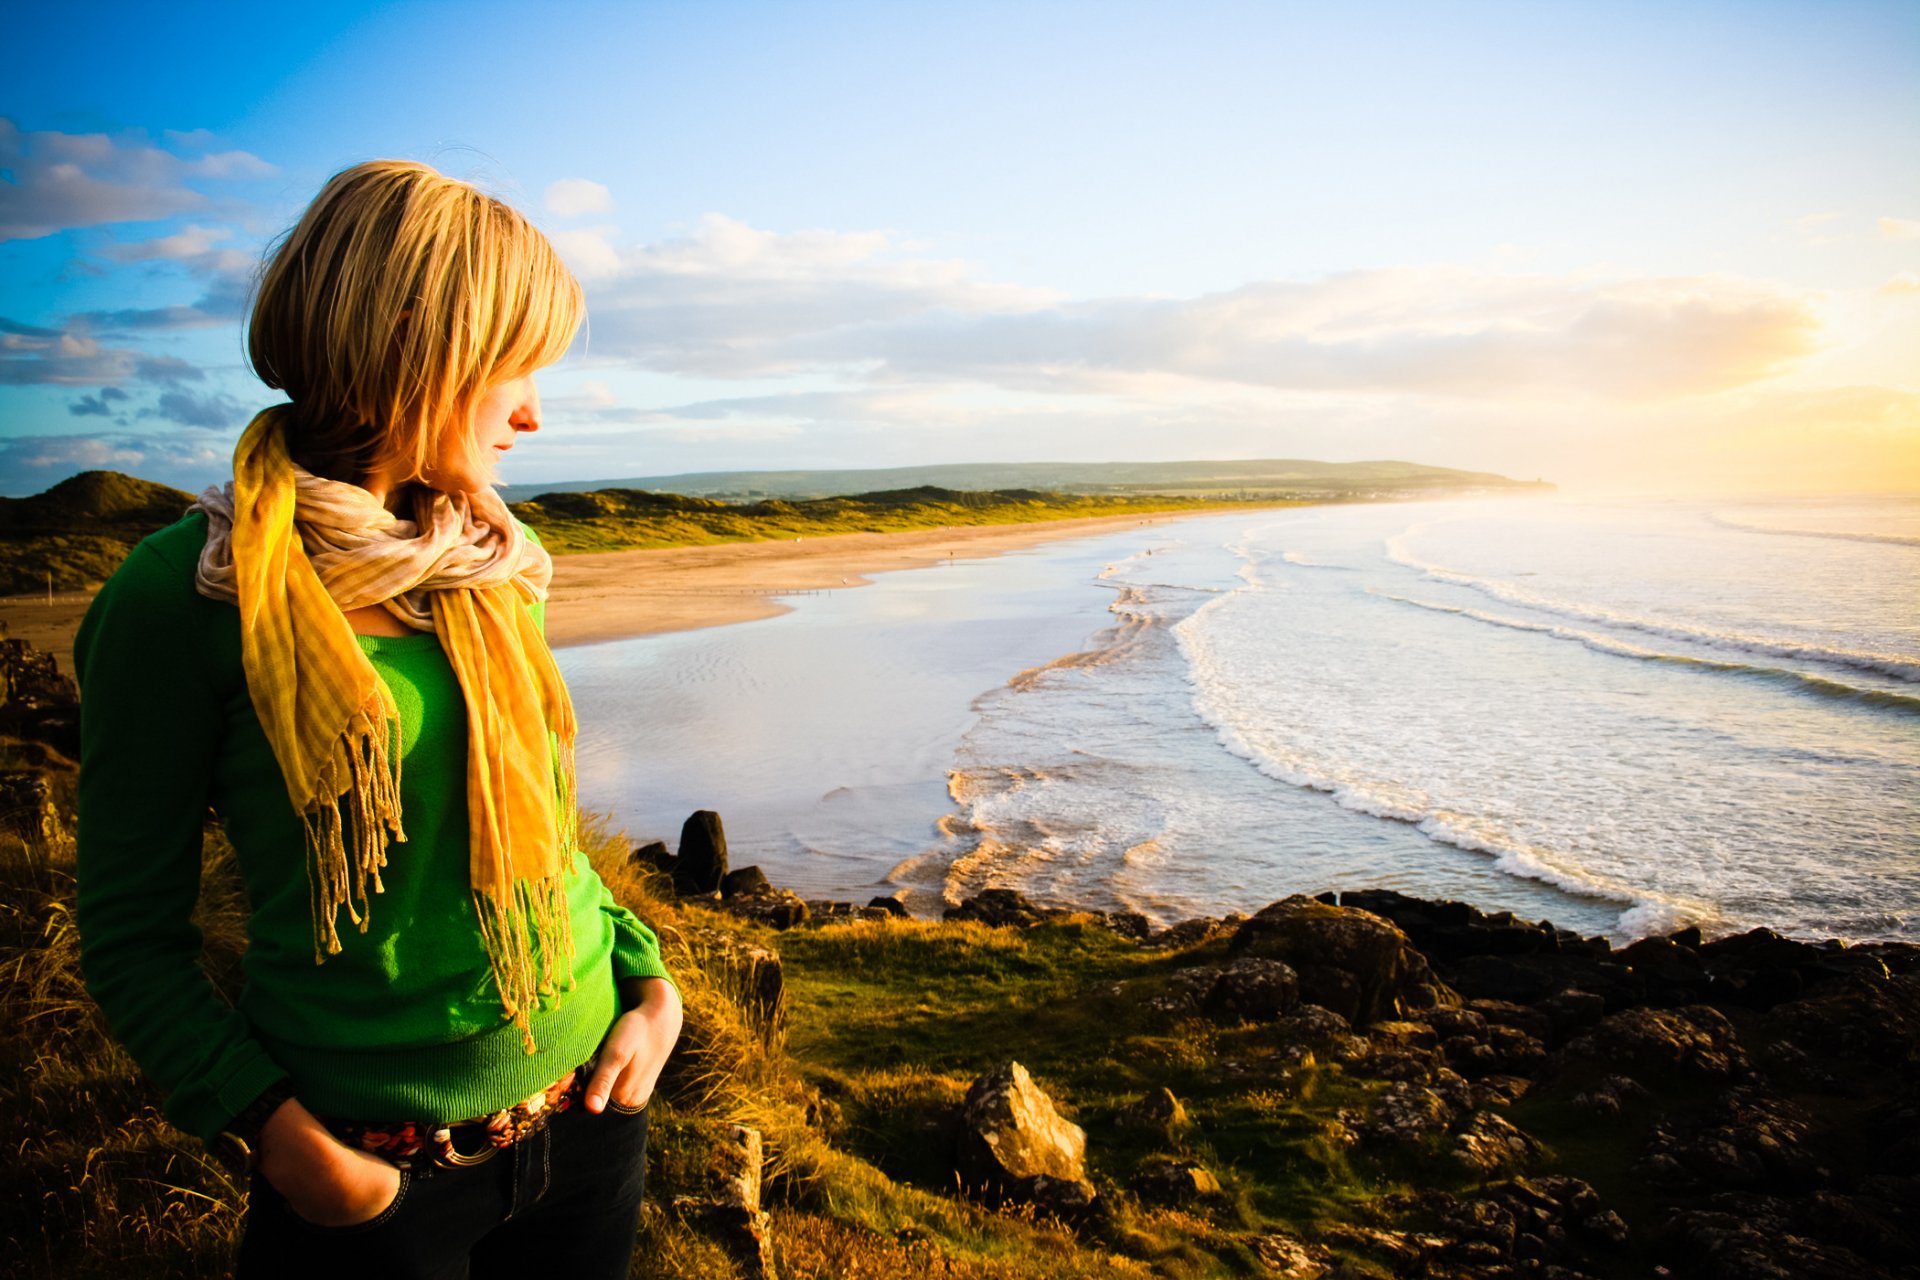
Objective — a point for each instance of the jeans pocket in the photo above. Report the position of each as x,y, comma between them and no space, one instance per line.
378,1220
617,1109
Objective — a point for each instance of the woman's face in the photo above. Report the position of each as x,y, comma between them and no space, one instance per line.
502,413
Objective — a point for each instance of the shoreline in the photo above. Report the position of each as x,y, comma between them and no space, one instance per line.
602,596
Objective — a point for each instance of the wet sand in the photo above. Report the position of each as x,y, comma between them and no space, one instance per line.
614,595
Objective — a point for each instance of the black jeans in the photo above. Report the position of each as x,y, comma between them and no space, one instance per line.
565,1201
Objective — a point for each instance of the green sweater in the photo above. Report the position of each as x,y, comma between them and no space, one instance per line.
404,1022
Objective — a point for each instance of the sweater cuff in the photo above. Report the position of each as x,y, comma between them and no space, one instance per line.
241,1075
645,964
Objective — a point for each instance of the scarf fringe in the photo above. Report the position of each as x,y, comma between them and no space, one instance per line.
529,942
345,851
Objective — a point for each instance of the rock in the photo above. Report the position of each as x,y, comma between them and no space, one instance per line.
703,855
730,1212
1321,1031
654,854
752,974
1288,1257
1570,1012
890,906
1158,1112
1405,1113
1175,1182
1000,907
744,1233
1254,990
1488,1144
1505,1013
1352,962
37,703
1011,1134
1184,991
1186,933
1695,1042
1670,972
744,882
1500,1090
1861,1019
1612,1095
776,908
26,806
1748,1139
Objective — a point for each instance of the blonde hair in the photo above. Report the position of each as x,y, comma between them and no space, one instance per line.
399,297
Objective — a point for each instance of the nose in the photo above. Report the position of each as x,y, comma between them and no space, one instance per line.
527,416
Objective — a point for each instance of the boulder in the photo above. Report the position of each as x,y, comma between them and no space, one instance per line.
1175,1182
1488,1144
703,855
729,1209
1254,990
1350,961
1000,907
743,882
1157,1112
1695,1042
753,975
1288,1257
27,809
1014,1144
37,703
654,855
1185,933
890,906
1318,1030
775,908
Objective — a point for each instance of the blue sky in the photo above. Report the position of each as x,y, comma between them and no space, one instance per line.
1617,245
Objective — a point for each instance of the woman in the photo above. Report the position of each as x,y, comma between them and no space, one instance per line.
440,1059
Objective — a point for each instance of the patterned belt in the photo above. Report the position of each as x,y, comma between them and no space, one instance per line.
423,1145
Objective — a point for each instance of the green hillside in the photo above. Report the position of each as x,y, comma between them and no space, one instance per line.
1231,478
613,519
75,534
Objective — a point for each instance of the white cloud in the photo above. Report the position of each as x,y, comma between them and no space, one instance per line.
63,180
731,300
571,197
587,251
1899,228
1902,282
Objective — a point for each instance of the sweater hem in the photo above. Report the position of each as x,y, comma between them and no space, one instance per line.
457,1080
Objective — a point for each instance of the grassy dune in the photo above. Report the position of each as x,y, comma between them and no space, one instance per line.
619,519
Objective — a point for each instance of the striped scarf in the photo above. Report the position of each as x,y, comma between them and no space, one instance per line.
294,552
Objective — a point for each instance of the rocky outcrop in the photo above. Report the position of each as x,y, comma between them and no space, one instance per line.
37,703
702,862
1015,1145
1353,962
729,1211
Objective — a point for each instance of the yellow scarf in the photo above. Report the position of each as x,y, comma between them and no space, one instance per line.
333,724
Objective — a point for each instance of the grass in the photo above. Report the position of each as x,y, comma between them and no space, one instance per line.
854,1082
620,519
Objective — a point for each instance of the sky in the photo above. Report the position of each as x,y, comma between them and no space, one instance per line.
1650,248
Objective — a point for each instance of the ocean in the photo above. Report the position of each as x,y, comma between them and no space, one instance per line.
1624,716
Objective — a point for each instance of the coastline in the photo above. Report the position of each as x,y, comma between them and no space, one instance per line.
618,595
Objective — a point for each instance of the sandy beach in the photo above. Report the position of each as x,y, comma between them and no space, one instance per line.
614,595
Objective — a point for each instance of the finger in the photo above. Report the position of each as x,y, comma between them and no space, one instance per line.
600,1087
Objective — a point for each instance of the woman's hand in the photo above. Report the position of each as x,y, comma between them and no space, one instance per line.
322,1179
636,1048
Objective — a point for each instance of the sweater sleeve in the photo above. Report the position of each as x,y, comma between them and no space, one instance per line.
151,723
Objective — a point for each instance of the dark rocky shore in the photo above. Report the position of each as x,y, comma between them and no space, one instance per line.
1521,1101
1746,1108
